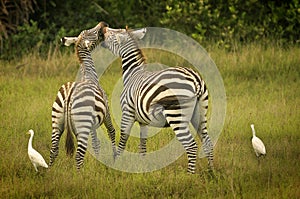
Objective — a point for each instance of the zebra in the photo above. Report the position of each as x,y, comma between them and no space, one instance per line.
81,106
171,97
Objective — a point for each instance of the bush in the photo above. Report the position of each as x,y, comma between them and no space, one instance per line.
235,20
224,22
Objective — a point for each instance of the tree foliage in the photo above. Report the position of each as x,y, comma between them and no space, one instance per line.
239,20
12,14
37,24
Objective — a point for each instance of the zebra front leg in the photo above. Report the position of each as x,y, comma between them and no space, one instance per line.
143,139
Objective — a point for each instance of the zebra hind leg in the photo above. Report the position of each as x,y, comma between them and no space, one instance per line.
56,134
142,146
82,141
111,133
126,126
143,139
181,130
208,150
95,143
122,144
199,122
58,118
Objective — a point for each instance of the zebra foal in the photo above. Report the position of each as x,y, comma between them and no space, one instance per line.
172,97
81,107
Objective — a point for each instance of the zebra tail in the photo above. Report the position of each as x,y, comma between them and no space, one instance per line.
70,148
69,143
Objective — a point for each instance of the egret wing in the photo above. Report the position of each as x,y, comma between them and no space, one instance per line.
258,146
37,158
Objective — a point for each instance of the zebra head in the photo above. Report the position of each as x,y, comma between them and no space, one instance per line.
87,39
120,41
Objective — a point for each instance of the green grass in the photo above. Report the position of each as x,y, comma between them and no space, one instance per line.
262,87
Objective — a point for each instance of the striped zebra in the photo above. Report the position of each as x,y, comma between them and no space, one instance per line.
81,107
172,97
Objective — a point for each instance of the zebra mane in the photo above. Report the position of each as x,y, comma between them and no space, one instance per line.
76,48
84,46
135,40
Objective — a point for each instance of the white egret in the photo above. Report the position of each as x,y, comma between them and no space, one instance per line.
258,145
35,157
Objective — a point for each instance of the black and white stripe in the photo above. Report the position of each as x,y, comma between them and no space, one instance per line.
81,107
172,97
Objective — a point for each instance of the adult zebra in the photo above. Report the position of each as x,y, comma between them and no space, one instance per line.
172,97
81,106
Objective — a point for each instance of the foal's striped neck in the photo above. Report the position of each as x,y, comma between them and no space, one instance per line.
87,66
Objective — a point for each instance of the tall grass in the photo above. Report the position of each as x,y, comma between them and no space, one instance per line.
262,87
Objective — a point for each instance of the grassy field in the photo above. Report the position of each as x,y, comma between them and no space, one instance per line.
262,87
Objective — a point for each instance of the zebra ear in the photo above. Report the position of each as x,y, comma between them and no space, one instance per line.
138,34
67,41
121,38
